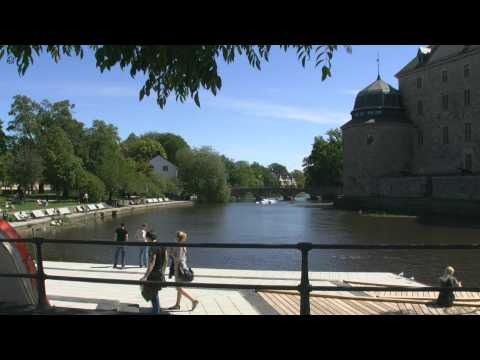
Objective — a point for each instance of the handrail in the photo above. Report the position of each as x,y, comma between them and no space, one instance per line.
304,287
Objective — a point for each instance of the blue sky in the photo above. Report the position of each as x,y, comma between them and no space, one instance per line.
266,116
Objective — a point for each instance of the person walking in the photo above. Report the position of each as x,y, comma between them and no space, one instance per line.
85,198
447,297
155,272
141,236
121,236
179,255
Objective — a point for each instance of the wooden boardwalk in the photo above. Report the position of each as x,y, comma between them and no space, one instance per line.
127,298
372,303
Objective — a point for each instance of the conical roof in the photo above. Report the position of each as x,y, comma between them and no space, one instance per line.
378,94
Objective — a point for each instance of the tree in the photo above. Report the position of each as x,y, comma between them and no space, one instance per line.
324,165
142,150
202,172
299,177
3,139
265,174
278,170
171,143
24,125
6,166
62,167
92,185
27,166
166,67
104,157
244,176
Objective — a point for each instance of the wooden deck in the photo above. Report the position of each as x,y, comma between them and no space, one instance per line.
110,298
372,303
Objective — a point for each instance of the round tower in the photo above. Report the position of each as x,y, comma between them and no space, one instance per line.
376,141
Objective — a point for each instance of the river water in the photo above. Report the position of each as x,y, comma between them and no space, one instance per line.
287,222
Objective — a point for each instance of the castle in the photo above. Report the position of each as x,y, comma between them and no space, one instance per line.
421,141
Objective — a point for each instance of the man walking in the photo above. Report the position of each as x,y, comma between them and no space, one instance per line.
121,235
141,236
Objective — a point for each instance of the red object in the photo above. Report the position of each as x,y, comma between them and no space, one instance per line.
10,233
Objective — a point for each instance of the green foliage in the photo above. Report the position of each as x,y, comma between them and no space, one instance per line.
299,177
6,166
324,165
27,166
278,170
268,179
166,67
62,167
3,139
142,150
171,143
202,172
91,184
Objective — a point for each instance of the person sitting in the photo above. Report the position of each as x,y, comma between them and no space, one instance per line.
447,297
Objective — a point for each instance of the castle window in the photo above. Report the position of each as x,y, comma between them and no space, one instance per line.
165,168
445,134
370,139
444,76
420,108
468,161
420,137
466,71
466,96
468,132
419,83
445,102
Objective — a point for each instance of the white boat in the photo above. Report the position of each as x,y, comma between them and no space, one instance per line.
267,202
15,259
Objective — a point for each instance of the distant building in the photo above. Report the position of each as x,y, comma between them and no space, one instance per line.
163,167
287,181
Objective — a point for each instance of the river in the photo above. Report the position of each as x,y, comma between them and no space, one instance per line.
287,222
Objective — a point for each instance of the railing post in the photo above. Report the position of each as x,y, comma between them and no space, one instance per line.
304,286
42,294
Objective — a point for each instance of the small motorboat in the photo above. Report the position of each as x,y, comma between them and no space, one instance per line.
16,259
266,202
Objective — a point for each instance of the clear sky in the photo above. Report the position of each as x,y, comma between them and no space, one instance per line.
266,116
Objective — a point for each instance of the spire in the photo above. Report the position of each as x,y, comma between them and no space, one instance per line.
378,66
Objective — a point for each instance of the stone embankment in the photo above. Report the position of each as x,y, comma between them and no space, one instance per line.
103,213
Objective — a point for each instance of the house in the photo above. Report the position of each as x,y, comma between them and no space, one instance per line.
163,167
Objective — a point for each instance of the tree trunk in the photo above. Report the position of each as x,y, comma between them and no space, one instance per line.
66,193
41,188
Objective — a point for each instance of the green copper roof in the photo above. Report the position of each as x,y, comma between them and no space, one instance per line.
377,94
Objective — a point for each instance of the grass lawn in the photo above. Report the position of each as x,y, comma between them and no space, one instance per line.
31,204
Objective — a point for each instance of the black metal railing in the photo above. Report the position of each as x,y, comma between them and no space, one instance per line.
304,287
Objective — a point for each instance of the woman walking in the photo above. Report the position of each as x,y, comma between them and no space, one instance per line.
179,255
155,272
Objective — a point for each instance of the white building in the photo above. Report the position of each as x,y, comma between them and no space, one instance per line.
287,181
163,167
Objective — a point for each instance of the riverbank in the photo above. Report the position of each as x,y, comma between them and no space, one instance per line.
104,213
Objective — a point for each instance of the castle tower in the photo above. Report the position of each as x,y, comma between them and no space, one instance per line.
377,140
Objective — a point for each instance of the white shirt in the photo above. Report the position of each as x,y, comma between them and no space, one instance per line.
141,235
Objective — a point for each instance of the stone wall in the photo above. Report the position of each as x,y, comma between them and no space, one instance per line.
409,187
456,187
433,156
387,155
412,206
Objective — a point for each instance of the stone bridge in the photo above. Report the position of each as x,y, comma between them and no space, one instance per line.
288,193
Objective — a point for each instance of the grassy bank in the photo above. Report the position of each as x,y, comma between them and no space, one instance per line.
31,203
